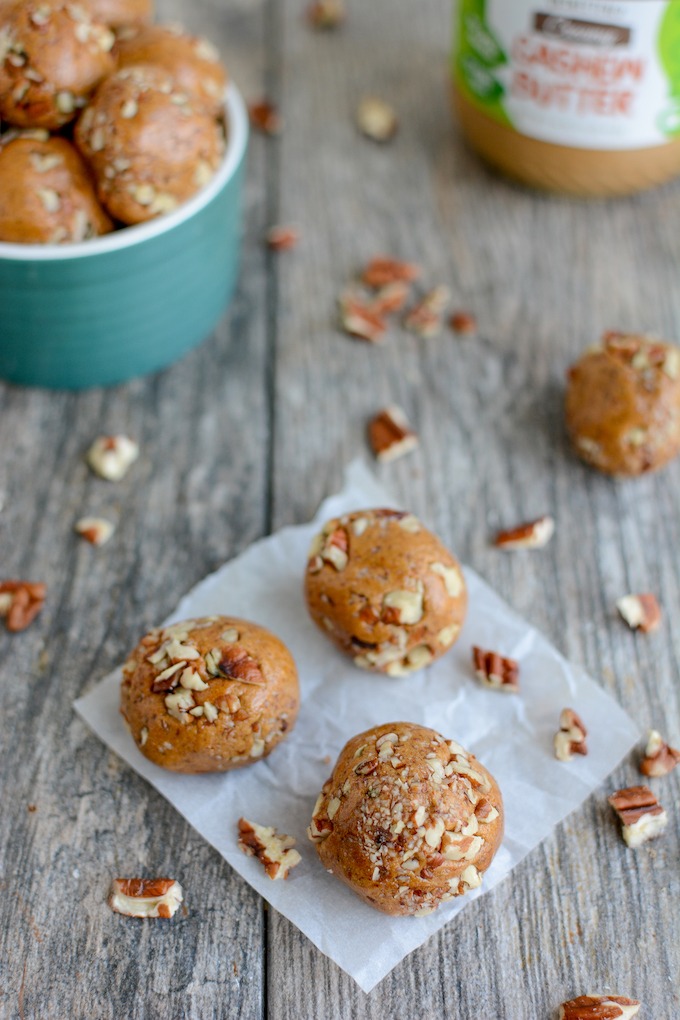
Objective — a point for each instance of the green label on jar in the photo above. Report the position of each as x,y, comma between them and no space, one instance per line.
599,74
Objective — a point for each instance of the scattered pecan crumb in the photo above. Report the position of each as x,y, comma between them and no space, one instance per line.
532,535
390,434
571,737
272,850
599,1007
659,759
32,808
326,14
463,323
426,318
390,299
112,456
495,671
142,897
20,603
640,612
641,815
376,119
382,270
265,117
96,530
282,238
358,318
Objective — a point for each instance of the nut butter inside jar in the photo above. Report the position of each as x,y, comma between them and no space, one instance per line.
575,96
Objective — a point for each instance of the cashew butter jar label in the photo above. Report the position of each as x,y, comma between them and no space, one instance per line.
590,75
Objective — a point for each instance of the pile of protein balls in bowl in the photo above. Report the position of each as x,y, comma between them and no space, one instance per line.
408,818
107,120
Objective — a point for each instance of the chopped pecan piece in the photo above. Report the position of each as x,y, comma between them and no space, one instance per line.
20,602
599,1007
359,319
425,318
96,530
463,323
390,298
335,549
571,737
272,850
142,897
237,664
390,434
495,671
532,535
383,270
264,117
641,815
326,14
376,119
112,456
640,612
659,759
282,238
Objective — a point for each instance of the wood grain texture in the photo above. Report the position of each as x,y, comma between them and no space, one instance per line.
251,431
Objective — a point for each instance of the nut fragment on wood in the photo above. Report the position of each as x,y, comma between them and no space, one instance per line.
641,612
641,815
659,759
571,737
265,117
383,270
426,318
359,319
493,670
463,323
271,849
112,456
599,1007
390,299
142,897
376,119
532,535
390,434
96,530
326,14
282,238
20,603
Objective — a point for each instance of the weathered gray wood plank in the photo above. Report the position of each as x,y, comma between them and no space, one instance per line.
545,277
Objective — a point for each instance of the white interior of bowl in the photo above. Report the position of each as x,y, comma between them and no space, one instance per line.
237,137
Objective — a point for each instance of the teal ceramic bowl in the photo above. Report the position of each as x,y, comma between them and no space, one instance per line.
131,302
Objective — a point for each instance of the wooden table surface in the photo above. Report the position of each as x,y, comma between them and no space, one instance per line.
247,434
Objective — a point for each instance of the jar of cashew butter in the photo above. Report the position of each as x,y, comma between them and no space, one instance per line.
574,96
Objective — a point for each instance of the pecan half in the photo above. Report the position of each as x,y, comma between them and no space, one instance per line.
326,14
425,318
272,850
571,737
112,456
641,612
390,434
463,323
20,602
383,270
641,815
142,897
659,759
237,664
376,119
532,535
599,1007
360,319
493,670
282,238
264,117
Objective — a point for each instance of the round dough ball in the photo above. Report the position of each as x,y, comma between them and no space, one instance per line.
407,820
230,702
193,62
149,146
120,12
46,194
622,404
52,56
385,590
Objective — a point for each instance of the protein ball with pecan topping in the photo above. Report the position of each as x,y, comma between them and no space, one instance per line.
622,404
209,695
385,590
407,820
150,147
118,13
46,193
52,56
193,62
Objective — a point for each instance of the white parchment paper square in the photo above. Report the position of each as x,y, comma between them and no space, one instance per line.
512,735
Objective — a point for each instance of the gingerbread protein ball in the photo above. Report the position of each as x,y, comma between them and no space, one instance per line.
193,62
149,145
385,590
117,13
622,404
46,193
52,56
210,694
407,820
